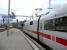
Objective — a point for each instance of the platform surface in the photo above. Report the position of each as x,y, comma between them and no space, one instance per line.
14,41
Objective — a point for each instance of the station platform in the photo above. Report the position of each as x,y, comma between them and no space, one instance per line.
16,40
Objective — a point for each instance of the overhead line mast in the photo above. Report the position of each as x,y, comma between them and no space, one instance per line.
8,18
49,5
8,10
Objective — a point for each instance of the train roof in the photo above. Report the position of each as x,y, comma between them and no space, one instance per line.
62,11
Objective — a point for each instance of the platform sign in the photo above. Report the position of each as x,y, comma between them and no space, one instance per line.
11,16
5,19
4,16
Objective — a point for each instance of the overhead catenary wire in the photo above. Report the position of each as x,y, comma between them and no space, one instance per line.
49,8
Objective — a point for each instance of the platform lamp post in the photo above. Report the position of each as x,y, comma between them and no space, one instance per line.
32,16
38,20
17,22
3,19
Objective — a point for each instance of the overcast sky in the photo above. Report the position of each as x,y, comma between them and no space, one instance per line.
27,7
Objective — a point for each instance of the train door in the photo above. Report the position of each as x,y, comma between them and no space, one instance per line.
40,30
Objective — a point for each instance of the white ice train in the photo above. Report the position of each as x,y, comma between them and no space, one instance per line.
52,29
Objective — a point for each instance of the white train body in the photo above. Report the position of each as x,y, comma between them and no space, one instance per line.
52,29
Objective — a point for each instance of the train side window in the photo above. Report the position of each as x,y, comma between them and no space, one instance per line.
49,25
31,23
61,24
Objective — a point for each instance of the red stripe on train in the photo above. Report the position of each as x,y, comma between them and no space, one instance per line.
41,34
58,40
45,35
32,31
61,41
